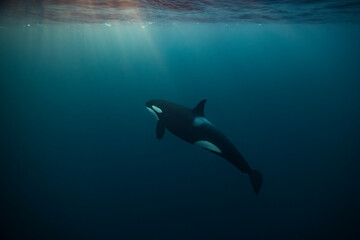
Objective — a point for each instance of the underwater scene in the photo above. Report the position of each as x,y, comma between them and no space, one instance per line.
160,119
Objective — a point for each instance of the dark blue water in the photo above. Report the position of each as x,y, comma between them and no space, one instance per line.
79,155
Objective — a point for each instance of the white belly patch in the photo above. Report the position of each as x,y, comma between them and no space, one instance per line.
208,145
152,111
200,121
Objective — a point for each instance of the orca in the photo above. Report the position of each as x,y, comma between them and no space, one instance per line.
192,126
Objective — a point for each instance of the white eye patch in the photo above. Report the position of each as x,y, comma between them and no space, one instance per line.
158,110
200,121
208,145
152,111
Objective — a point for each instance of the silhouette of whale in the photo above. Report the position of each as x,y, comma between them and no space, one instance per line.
192,126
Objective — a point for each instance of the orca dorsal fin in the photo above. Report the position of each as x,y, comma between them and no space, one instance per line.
199,109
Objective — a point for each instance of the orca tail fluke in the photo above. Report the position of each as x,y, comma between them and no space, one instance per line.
256,180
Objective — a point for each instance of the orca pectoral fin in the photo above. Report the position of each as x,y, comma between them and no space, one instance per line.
160,130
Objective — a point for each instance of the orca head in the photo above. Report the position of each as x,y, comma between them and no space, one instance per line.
156,107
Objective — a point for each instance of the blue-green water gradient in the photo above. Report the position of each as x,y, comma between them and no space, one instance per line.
79,156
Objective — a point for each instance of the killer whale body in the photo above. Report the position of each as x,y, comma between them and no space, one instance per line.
191,126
